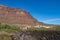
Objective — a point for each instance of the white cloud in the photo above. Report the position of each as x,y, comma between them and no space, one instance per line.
51,20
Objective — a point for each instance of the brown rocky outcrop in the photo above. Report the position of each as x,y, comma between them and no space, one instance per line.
16,16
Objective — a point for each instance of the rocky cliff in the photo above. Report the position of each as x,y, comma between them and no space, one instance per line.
16,16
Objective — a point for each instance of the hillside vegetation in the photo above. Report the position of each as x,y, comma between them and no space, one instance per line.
57,28
13,29
9,28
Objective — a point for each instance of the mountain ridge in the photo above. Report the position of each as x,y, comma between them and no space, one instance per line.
19,17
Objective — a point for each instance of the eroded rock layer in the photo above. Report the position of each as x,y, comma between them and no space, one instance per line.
20,17
16,16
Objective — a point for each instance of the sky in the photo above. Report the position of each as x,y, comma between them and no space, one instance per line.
47,11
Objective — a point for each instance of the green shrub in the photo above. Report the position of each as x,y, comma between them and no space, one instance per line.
9,28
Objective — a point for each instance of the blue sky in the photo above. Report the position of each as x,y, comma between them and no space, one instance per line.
47,11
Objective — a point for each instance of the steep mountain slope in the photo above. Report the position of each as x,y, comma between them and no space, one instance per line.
16,16
20,17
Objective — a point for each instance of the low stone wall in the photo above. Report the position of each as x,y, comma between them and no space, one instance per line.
36,35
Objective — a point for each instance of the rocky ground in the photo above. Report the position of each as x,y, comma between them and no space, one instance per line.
36,35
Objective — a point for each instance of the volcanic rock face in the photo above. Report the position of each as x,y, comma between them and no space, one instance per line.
36,35
16,16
